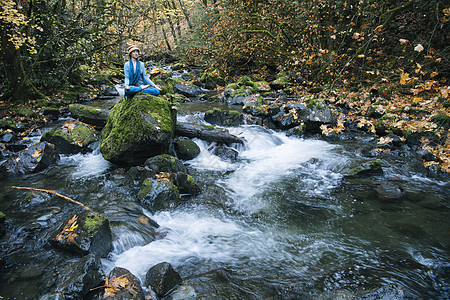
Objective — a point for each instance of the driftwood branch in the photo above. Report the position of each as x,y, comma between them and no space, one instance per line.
51,192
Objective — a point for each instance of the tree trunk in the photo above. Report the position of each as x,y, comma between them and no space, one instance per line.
21,88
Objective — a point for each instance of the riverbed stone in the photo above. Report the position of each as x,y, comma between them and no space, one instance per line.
84,233
71,138
159,194
366,168
188,90
137,129
186,149
162,279
165,163
126,286
35,158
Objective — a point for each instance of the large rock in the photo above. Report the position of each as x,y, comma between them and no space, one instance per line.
224,117
71,138
165,163
186,149
185,183
162,279
207,133
94,116
137,129
188,90
35,158
84,233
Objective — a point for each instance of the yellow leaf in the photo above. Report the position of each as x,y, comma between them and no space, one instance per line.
433,74
378,29
417,99
403,78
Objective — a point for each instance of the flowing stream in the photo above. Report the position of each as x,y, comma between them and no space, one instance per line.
280,222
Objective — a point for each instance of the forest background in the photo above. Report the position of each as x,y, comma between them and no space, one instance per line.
348,51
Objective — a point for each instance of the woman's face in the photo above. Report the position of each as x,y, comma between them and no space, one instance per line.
134,54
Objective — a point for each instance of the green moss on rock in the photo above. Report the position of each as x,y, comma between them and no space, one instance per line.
93,222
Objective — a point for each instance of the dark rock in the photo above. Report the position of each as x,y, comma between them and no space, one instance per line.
94,116
7,138
162,279
71,138
87,232
76,278
136,175
2,222
35,158
137,129
224,117
158,194
186,149
51,112
131,291
371,167
185,183
391,292
207,133
190,91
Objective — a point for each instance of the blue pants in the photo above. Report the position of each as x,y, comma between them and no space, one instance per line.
135,89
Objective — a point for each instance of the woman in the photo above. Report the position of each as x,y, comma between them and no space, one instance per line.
136,78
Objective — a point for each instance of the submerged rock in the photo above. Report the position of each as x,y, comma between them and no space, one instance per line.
71,138
137,129
370,167
84,233
162,279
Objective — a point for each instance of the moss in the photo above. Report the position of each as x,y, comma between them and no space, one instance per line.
2,216
315,104
146,188
441,120
233,86
93,222
84,134
25,111
190,180
376,164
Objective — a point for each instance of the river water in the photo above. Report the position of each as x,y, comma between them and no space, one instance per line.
280,222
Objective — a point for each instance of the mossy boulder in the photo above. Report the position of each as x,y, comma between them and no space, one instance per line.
88,114
165,163
185,183
84,233
281,82
137,129
159,194
71,138
186,149
221,117
442,119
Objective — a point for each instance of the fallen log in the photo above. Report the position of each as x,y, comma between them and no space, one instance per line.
206,133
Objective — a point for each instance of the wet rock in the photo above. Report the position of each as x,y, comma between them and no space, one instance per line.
183,292
186,149
35,158
162,279
226,118
136,175
76,278
52,113
2,223
158,194
137,129
71,138
190,90
165,163
128,286
281,82
185,183
94,116
84,233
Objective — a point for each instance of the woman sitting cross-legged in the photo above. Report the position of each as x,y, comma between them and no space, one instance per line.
136,78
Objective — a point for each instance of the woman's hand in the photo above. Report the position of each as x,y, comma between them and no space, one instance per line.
126,87
158,87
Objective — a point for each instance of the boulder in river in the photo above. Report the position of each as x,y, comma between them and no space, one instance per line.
188,90
162,279
84,233
185,183
159,194
165,163
224,117
35,158
137,129
366,168
71,138
186,149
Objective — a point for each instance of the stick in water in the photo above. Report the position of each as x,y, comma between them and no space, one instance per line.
51,192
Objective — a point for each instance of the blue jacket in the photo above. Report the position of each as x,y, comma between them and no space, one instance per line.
143,78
